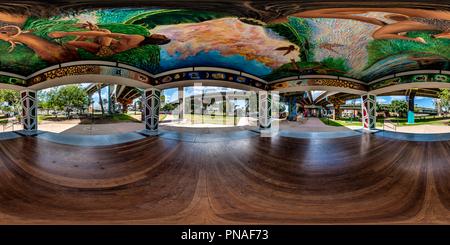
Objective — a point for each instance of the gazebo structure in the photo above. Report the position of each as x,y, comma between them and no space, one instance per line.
272,50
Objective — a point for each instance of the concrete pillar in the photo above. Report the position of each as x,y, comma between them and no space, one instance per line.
411,93
369,111
268,109
181,104
29,109
151,105
292,110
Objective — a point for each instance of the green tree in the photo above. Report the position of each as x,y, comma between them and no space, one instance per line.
69,97
437,105
444,97
13,98
398,106
168,107
281,106
380,107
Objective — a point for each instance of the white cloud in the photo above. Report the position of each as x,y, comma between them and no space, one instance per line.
398,97
381,100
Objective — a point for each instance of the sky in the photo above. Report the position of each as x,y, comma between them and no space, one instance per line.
419,101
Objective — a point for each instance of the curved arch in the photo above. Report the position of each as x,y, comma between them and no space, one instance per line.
109,79
319,83
417,80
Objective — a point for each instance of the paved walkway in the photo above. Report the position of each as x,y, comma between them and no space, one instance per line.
302,125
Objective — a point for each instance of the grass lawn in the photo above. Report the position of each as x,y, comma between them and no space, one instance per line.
342,122
436,120
41,118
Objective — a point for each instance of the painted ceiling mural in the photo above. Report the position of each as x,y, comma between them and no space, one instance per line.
360,43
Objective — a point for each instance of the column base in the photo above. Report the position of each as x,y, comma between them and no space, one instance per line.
268,132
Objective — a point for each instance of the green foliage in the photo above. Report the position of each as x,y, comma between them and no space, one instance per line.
281,106
125,29
380,107
297,32
42,27
125,117
172,17
398,106
444,97
68,96
337,64
381,49
24,60
328,63
168,107
437,105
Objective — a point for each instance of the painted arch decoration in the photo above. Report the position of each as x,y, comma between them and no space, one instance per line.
417,78
360,43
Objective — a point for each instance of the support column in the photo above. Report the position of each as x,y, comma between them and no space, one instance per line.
151,105
29,109
369,111
181,104
336,106
265,110
292,110
268,109
410,94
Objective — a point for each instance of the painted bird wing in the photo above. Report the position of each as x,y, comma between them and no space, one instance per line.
283,48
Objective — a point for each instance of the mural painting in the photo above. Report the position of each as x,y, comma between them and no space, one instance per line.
319,82
411,79
358,43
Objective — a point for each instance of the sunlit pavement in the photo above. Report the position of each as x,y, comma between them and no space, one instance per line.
302,125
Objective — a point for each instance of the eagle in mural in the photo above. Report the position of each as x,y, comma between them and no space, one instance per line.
289,49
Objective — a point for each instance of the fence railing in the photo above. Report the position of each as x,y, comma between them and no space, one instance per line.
389,124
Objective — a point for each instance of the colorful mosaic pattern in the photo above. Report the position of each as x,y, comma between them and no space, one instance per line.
319,82
369,111
410,79
29,109
211,75
13,81
88,70
337,104
152,103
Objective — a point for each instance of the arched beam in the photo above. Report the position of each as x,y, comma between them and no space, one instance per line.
108,79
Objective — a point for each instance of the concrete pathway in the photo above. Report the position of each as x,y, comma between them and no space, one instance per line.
311,124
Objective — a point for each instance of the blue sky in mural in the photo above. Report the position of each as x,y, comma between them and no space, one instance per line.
213,58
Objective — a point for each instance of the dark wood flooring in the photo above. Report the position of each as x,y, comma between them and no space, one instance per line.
363,179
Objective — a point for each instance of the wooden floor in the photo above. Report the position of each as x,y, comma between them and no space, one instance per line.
364,179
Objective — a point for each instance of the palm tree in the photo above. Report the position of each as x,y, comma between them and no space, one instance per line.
99,90
437,105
